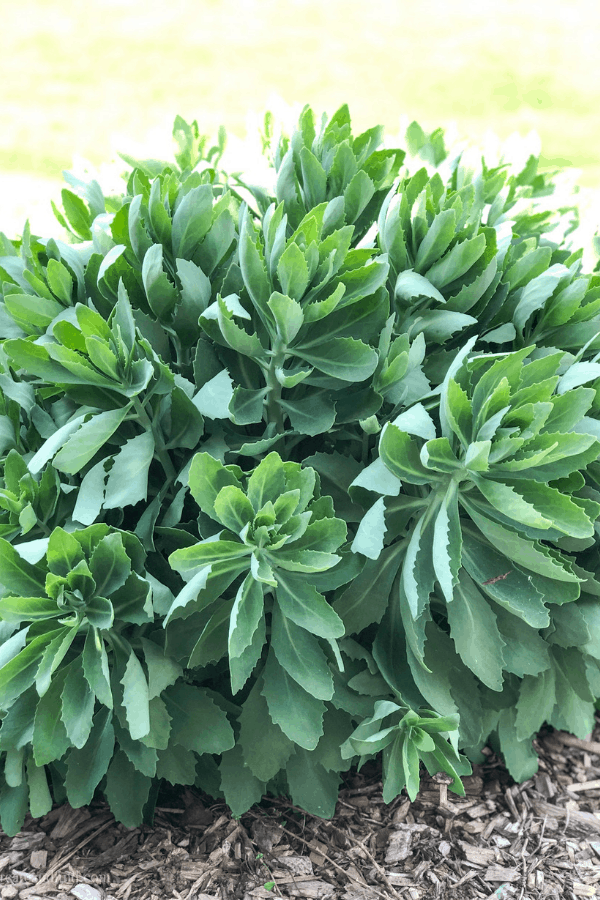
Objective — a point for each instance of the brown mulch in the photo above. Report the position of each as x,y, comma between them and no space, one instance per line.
540,839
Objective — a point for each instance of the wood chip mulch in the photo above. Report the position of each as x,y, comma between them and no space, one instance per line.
503,841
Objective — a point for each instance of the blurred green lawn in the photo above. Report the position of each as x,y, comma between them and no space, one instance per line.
87,77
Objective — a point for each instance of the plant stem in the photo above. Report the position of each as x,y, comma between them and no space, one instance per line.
162,454
274,410
365,448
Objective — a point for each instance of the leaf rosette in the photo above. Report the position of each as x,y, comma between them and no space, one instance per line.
85,682
407,738
278,533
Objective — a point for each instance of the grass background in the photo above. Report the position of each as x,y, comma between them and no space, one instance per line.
89,78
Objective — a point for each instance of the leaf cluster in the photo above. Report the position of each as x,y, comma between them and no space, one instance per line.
293,475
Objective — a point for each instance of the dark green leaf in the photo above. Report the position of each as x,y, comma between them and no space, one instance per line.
299,653
241,787
126,790
77,705
298,714
87,766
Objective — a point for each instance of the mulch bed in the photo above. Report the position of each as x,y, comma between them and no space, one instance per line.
503,840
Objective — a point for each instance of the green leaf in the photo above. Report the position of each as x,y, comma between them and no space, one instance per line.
531,555
162,295
32,314
265,747
211,646
136,698
366,598
126,790
143,757
298,714
109,565
410,284
439,325
457,261
458,412
233,508
40,800
535,704
325,534
20,671
475,633
506,499
50,738
410,766
365,743
311,786
242,666
345,358
192,220
570,628
17,724
246,614
447,542
88,765
208,552
370,536
525,651
132,602
401,456
90,496
303,560
312,415
239,340
13,807
54,654
299,653
162,670
241,787
292,272
78,215
77,705
536,292
198,724
177,765
520,757
214,397
560,510
206,478
95,667
437,240
394,776
100,613
18,575
19,609
63,552
306,607
252,266
246,406
357,195
128,479
160,725
418,573
266,482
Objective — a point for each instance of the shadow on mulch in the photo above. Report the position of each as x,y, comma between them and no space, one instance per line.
539,839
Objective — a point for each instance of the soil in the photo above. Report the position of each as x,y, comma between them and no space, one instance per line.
539,839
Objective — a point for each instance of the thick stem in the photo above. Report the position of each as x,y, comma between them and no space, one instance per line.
365,448
274,410
163,456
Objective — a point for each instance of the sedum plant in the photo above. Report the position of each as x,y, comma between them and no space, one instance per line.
295,474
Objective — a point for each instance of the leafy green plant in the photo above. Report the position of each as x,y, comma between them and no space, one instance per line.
292,476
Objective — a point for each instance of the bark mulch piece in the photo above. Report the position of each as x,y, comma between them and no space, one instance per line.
503,841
